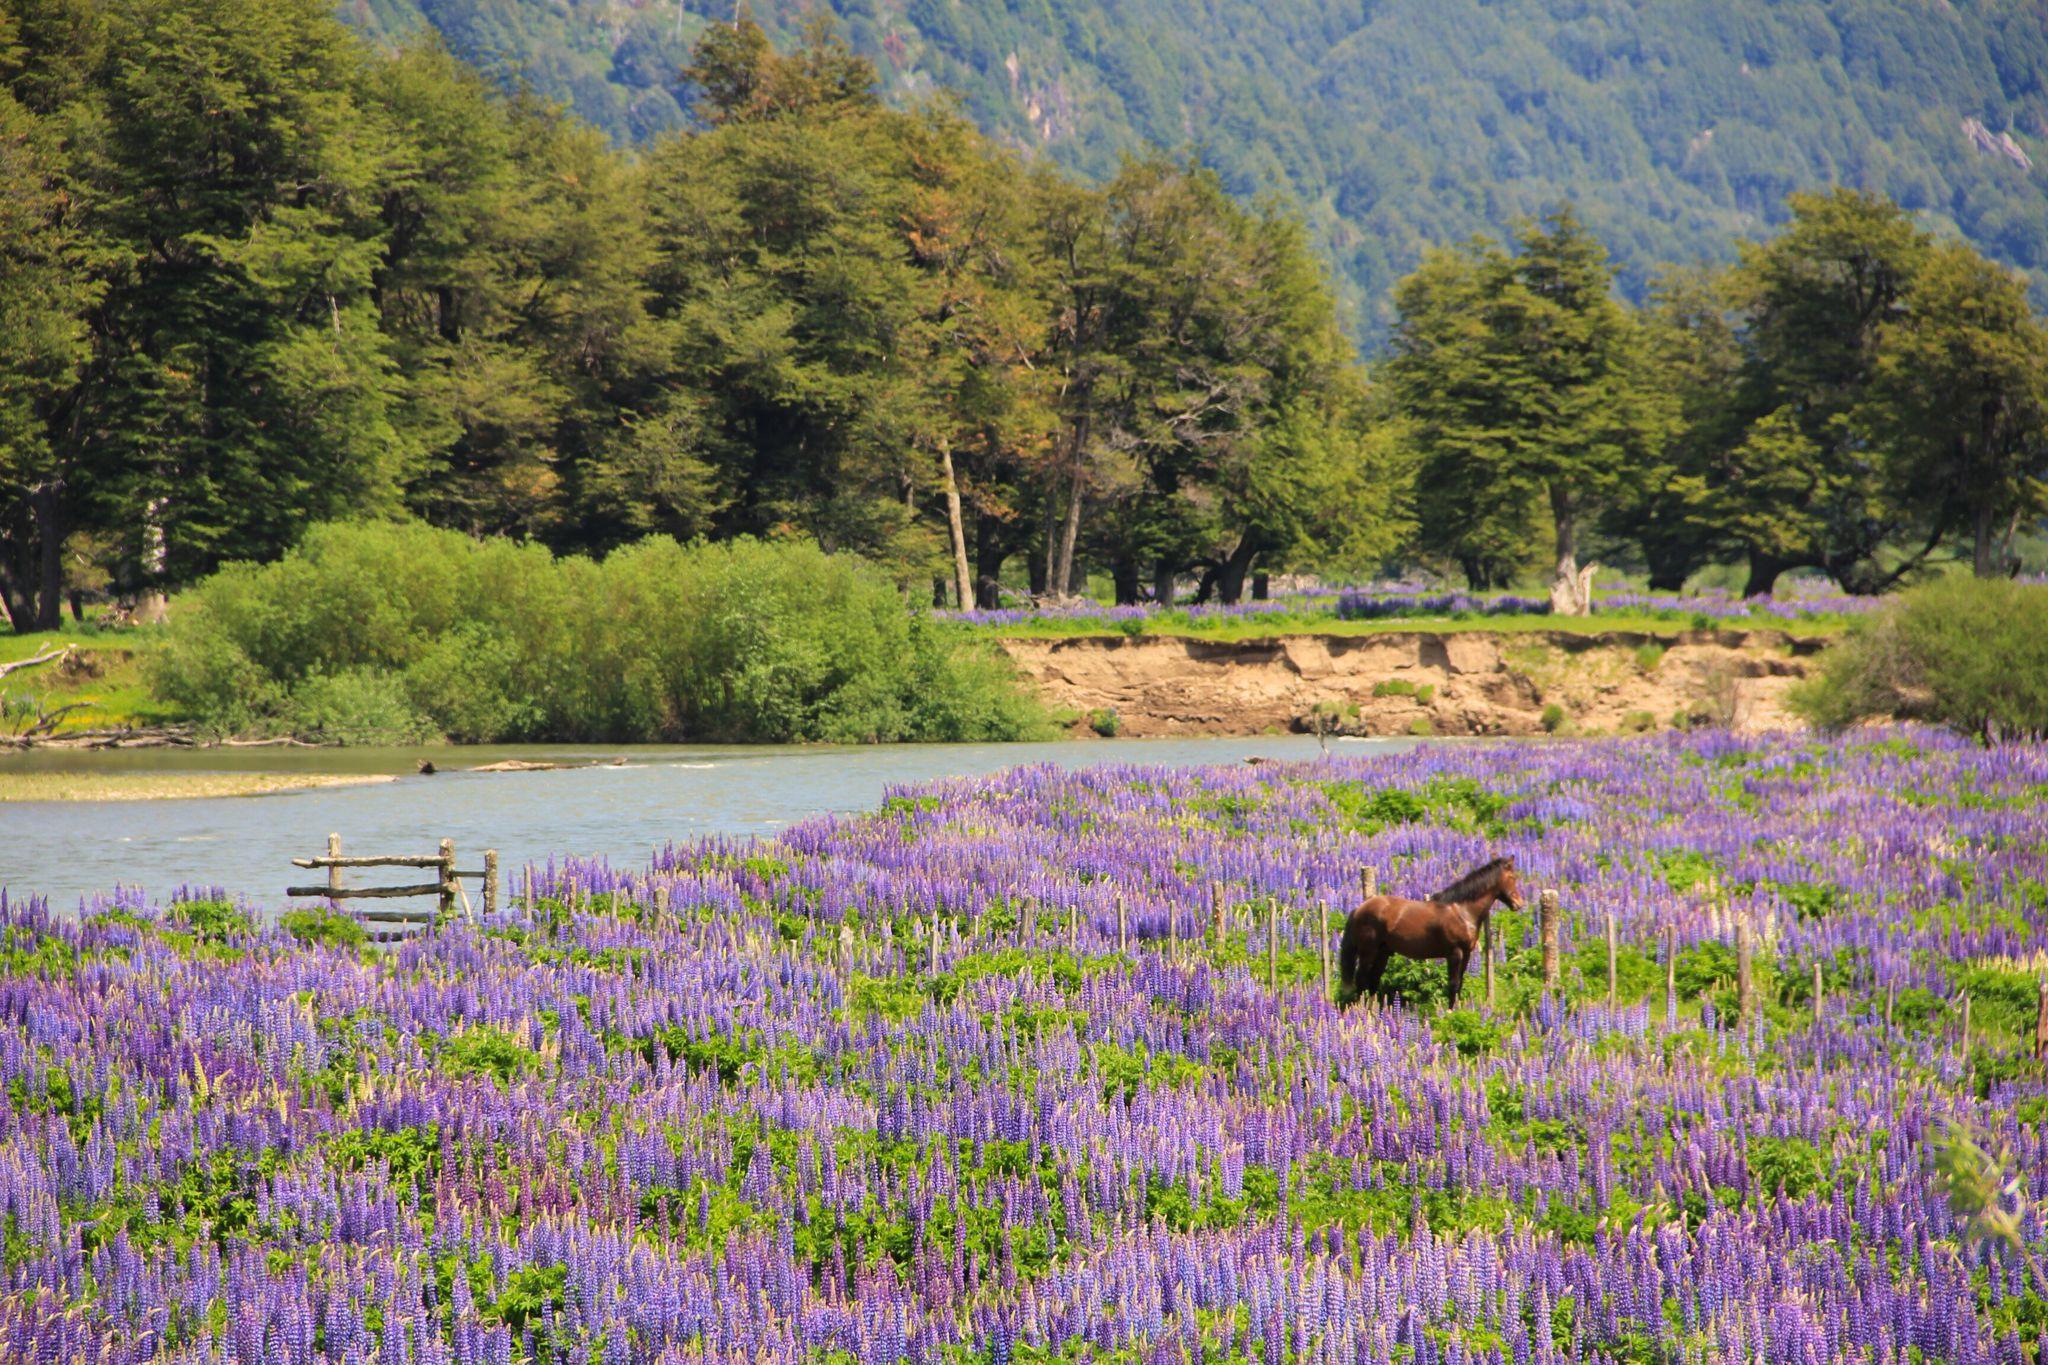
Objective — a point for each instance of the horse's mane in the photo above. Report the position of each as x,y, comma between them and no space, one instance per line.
1473,884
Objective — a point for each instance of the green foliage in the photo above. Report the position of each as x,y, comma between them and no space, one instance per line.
487,1051
1104,721
1787,1165
214,920
1353,110
321,926
1554,718
1521,383
1461,802
359,635
1968,653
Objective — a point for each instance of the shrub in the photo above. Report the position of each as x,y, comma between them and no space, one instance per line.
397,632
213,920
1648,657
1554,718
1105,722
1638,723
1968,653
320,926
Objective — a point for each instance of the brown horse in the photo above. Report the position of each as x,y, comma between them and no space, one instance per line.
1447,925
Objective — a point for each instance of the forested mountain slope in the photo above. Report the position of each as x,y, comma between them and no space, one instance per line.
1678,126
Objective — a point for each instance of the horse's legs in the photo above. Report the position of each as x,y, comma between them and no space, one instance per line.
1454,980
1375,968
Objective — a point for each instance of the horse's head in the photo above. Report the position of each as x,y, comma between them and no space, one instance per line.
1510,889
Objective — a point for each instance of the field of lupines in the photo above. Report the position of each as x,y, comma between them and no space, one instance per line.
1799,601
749,1104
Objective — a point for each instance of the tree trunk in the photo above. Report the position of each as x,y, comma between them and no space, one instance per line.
151,607
989,555
939,591
1230,578
963,581
1763,574
1570,593
49,520
1991,558
1164,575
1124,572
1062,583
1262,586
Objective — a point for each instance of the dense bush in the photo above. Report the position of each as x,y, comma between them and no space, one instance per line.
394,633
1965,652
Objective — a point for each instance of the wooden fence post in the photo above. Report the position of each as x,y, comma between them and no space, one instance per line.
1173,930
1486,949
1817,996
2041,1020
1074,929
490,881
1216,905
1966,1023
1547,905
1613,984
1272,943
660,902
1670,977
1369,881
1030,920
932,960
1745,984
1891,997
1123,925
447,876
334,870
1323,939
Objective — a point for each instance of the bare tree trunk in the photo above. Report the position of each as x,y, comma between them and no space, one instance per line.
49,522
1163,577
963,578
1124,570
151,607
989,555
1063,576
1570,588
1230,577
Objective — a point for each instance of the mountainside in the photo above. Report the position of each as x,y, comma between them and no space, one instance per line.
1677,126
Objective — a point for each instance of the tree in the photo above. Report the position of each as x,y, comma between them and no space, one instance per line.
1814,301
1521,375
1694,356
790,304
46,291
980,328
241,386
1959,391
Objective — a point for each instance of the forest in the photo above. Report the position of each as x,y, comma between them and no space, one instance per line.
1679,128
262,274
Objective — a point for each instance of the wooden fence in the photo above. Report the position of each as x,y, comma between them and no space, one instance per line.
396,924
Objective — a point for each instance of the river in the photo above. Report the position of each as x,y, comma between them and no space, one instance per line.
67,850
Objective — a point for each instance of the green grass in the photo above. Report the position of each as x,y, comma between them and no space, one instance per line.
110,692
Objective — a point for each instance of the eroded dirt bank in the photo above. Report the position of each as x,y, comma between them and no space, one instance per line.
1397,683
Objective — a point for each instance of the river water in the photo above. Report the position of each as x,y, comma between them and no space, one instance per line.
67,850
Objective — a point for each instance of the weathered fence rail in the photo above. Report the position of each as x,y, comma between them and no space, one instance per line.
446,888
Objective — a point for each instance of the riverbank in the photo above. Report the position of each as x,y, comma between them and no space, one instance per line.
1482,681
167,786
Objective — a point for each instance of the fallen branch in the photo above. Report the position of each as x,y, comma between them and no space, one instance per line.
46,721
49,655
